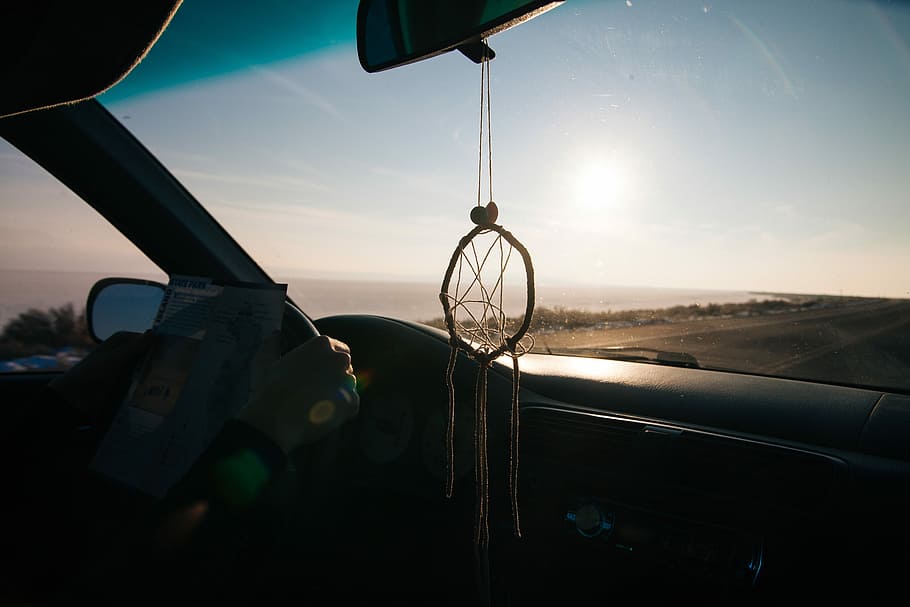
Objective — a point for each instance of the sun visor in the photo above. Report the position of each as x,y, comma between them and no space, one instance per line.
58,52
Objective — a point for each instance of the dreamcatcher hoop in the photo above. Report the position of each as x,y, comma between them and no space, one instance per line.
511,345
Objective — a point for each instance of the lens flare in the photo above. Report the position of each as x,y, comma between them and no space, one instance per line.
322,412
179,526
240,478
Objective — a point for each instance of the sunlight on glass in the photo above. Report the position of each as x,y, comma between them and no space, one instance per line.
602,185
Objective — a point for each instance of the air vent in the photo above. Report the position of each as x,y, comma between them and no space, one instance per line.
684,472
584,440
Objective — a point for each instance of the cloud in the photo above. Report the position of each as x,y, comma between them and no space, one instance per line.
279,182
301,92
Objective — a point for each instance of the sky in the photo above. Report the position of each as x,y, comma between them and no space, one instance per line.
731,145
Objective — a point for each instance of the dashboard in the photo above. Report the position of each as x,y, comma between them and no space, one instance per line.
635,479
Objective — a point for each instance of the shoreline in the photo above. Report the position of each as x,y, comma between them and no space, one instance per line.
557,319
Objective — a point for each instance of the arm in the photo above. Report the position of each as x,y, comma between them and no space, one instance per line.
305,395
220,514
219,509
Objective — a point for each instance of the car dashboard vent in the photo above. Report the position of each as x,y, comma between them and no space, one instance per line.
682,472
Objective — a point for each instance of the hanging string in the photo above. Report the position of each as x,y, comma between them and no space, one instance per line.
483,69
485,96
486,61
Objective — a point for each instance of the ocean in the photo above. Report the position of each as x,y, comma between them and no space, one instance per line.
21,290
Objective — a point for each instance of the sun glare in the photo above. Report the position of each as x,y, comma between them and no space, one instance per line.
601,185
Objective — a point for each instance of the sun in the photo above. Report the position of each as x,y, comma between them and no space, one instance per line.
601,185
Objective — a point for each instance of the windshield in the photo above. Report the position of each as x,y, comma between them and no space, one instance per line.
712,184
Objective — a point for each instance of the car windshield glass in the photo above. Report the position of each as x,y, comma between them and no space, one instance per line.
721,185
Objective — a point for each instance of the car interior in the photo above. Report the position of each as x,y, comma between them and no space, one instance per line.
642,478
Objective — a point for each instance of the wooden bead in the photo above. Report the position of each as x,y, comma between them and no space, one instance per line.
484,216
479,216
492,212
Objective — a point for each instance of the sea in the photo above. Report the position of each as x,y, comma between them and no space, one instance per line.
417,301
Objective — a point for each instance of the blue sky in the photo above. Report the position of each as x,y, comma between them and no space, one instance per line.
727,145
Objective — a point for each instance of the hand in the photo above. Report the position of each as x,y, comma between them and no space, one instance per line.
95,385
305,395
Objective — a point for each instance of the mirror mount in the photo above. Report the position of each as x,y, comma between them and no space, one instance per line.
476,50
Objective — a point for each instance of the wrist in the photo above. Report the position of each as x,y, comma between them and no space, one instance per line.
263,420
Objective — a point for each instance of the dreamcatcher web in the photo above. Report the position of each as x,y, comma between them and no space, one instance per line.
478,310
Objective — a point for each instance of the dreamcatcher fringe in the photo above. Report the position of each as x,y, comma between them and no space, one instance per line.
481,465
513,449
481,462
450,425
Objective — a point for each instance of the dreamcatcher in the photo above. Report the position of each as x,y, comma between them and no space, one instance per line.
478,326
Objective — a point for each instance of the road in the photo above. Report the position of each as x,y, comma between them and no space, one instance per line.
863,343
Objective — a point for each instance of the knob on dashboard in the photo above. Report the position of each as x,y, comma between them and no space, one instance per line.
590,520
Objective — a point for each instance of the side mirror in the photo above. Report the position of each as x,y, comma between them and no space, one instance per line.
395,32
122,304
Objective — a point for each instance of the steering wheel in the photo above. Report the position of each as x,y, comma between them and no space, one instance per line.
306,460
296,327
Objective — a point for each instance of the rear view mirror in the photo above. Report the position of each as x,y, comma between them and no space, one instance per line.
122,304
395,32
